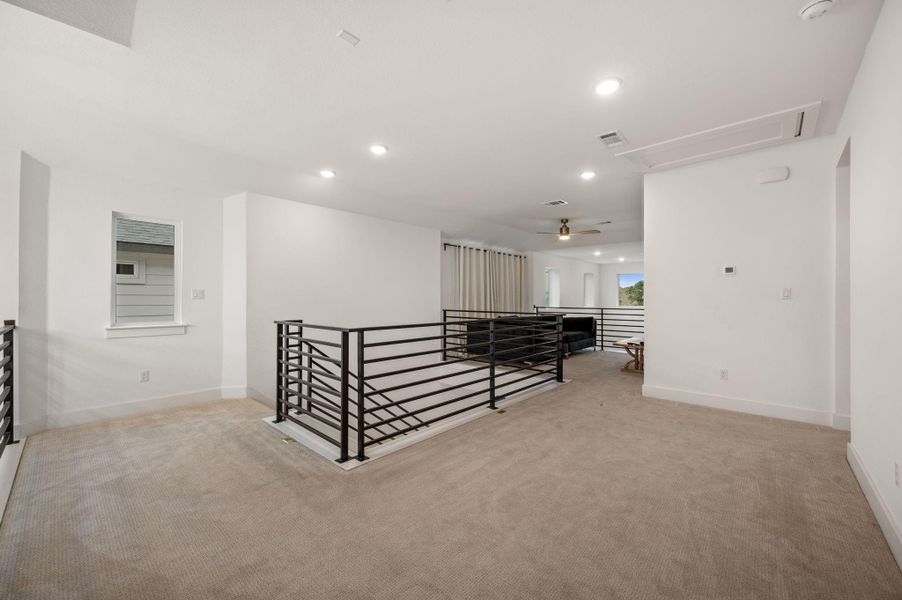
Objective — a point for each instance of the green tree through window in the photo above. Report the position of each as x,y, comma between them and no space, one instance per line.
631,289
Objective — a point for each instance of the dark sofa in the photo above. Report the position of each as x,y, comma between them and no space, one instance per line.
519,337
579,334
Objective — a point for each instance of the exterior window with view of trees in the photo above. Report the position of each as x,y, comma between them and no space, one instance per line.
631,289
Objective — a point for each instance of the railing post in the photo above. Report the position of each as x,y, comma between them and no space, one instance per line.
280,371
361,397
601,329
11,382
444,334
559,322
344,397
492,364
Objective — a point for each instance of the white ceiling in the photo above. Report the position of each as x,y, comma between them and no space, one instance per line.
488,108
610,253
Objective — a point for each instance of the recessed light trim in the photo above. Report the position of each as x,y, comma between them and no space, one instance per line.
597,253
327,173
587,175
608,86
378,149
621,259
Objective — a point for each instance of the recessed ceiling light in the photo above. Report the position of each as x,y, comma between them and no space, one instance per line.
598,253
327,173
621,259
587,175
608,86
378,149
348,37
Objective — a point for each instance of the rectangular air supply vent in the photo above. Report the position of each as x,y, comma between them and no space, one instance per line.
612,139
770,130
554,203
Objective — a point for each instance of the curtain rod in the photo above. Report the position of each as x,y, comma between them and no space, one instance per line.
446,244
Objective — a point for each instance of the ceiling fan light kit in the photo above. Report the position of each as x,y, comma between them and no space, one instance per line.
563,234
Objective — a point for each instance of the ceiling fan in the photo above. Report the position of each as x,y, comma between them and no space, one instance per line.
564,233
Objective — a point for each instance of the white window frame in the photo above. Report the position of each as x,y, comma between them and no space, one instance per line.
177,326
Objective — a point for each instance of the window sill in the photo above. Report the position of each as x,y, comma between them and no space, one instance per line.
146,330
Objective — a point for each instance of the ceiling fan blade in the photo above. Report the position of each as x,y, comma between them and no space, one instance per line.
603,223
584,232
548,233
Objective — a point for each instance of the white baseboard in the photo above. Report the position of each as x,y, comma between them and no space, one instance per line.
127,409
891,530
778,411
9,463
843,422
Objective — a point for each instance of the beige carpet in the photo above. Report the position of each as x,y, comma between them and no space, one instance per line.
588,491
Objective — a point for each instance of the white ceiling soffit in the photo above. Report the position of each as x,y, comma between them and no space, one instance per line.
110,19
770,130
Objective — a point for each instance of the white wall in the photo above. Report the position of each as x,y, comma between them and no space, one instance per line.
92,377
571,272
334,268
610,283
10,167
703,217
234,296
872,120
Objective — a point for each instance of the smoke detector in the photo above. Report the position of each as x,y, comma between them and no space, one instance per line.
815,9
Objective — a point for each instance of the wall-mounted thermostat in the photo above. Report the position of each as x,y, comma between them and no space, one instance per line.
729,270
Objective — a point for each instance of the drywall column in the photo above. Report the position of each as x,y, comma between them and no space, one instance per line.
842,391
32,355
10,172
234,296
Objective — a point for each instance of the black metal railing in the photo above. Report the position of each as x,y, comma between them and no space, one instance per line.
360,387
611,323
7,383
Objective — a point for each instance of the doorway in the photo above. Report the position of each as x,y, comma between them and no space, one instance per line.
842,294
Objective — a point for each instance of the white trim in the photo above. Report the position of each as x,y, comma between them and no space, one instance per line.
765,409
891,530
9,464
127,409
843,422
146,330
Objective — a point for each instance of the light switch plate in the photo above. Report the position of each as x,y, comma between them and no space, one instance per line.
198,294
786,293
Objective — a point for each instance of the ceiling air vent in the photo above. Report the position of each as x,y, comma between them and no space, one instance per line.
612,139
557,202
761,132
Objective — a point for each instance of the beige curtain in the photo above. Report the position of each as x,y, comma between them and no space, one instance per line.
488,280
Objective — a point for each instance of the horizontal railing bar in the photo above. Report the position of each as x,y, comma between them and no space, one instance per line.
520,348
299,323
5,393
300,338
427,338
320,372
331,407
436,419
5,344
526,387
498,386
4,442
434,406
402,386
429,366
449,388
3,361
316,386
312,430
4,410
400,356
316,356
530,367
4,377
6,329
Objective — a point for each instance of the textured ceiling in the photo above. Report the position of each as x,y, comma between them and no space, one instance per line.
488,108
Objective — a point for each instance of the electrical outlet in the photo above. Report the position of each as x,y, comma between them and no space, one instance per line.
198,294
144,377
724,374
898,476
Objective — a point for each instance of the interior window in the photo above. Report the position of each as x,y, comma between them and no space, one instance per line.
144,275
631,289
